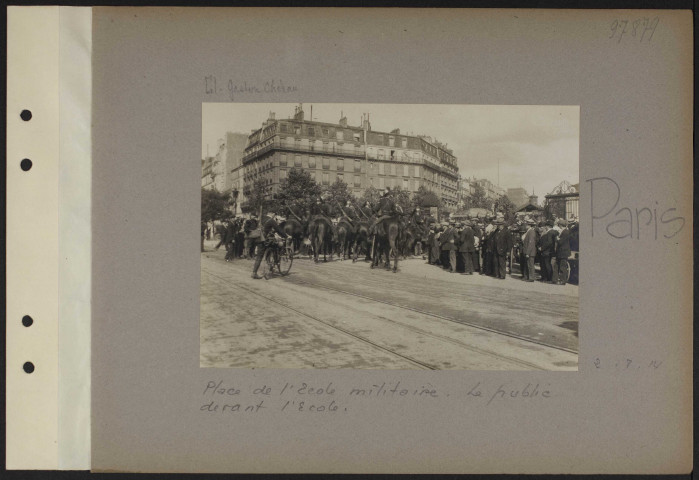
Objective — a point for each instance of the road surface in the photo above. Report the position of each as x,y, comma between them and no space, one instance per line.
345,315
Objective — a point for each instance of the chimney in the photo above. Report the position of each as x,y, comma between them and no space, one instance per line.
272,115
343,120
534,200
298,114
396,131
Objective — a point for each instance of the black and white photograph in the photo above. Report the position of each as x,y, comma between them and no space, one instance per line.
389,236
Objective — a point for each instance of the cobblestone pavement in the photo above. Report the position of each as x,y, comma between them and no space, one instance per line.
342,314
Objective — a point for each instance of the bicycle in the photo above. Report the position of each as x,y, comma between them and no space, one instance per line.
279,255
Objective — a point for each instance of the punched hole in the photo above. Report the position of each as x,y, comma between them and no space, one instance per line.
26,115
27,321
25,164
28,367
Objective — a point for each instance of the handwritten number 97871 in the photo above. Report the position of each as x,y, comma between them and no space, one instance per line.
641,29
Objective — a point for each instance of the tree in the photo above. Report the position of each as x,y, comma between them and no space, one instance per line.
426,198
257,196
402,198
338,195
479,198
296,193
371,195
214,205
504,204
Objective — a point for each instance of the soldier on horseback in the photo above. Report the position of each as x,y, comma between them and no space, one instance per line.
386,208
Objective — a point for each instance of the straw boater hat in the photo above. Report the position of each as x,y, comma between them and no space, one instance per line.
561,222
467,223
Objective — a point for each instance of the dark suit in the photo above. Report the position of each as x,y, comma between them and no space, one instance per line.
488,266
448,243
529,249
502,247
466,248
547,244
562,254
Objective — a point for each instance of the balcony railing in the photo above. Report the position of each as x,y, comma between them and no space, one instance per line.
327,149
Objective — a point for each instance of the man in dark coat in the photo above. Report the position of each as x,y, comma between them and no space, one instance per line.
501,248
467,246
434,246
268,227
477,238
563,252
448,244
529,249
430,240
547,244
249,226
229,238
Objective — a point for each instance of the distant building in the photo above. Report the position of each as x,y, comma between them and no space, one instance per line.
492,191
223,171
357,155
563,201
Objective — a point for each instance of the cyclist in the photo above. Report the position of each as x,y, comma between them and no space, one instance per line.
268,226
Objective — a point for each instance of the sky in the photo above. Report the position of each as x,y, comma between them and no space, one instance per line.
536,146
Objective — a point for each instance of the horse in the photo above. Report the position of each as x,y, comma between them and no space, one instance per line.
295,230
361,240
388,232
321,236
345,237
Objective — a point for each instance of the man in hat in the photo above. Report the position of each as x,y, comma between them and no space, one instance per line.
434,246
477,236
547,244
487,249
563,252
448,244
529,250
467,246
268,227
249,226
501,248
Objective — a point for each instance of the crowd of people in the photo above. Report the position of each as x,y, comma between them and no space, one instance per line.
483,245
490,247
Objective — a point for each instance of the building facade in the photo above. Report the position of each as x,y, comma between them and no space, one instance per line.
357,155
224,171
563,201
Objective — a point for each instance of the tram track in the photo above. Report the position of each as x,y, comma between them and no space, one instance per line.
498,356
436,315
414,361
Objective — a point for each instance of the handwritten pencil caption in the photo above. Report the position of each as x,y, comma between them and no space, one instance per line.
236,89
329,398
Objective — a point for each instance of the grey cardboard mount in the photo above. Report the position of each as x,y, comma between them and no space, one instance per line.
635,97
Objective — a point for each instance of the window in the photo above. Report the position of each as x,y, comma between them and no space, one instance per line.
393,169
312,162
326,163
357,180
325,132
357,166
382,169
392,141
404,142
382,182
393,154
282,174
338,134
326,178
405,184
417,172
380,139
382,153
297,161
282,160
341,177
297,130
340,164
356,137
311,132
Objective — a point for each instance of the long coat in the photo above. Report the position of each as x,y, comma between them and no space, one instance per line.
468,242
529,243
503,242
563,244
547,243
448,239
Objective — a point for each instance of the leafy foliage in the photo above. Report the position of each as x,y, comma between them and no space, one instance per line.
214,205
257,196
504,204
338,194
296,194
480,200
426,198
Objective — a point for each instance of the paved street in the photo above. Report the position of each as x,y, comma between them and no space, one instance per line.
345,315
